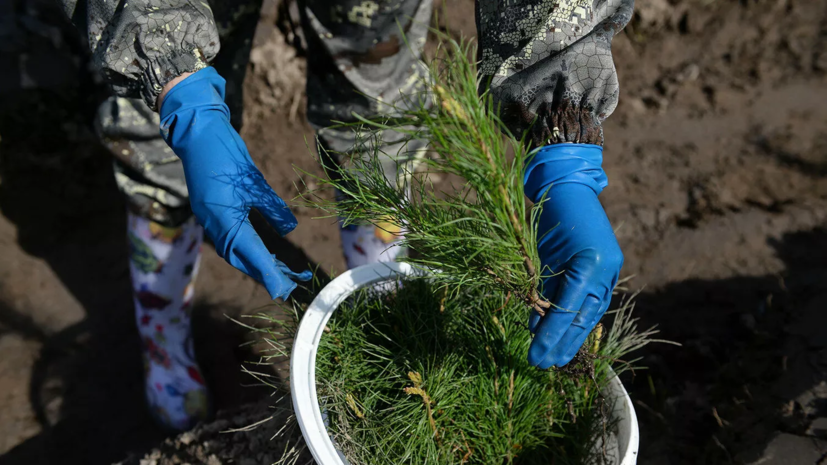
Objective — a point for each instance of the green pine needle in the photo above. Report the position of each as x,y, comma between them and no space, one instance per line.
472,234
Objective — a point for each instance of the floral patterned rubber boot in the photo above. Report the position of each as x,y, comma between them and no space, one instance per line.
164,263
370,244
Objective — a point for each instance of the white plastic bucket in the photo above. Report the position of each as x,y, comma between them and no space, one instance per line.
303,367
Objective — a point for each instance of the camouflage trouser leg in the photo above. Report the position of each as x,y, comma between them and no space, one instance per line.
364,57
146,170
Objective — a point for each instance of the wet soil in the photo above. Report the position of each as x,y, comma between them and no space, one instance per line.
717,158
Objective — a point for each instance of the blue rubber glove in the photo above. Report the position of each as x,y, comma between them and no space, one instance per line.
223,182
576,243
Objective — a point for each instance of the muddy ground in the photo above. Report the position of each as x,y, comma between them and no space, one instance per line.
717,157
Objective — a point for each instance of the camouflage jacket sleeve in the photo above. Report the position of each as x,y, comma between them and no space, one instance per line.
549,67
140,45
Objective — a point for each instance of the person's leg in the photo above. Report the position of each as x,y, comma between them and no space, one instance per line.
165,249
165,241
365,244
360,61
163,264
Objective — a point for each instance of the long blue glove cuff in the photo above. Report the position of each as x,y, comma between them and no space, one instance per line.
207,143
578,250
203,88
224,183
564,163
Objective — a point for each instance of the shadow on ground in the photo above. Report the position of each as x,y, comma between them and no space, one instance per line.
750,381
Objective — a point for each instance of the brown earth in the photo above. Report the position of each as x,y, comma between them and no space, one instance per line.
717,157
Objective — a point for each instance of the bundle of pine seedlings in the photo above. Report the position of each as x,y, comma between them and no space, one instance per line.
412,375
434,370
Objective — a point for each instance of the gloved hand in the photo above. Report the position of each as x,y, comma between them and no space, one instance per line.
576,243
223,182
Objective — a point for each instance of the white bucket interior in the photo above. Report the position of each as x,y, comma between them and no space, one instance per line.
303,367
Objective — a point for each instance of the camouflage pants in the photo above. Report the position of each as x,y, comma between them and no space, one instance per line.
357,59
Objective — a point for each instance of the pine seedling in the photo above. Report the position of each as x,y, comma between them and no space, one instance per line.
479,233
405,375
